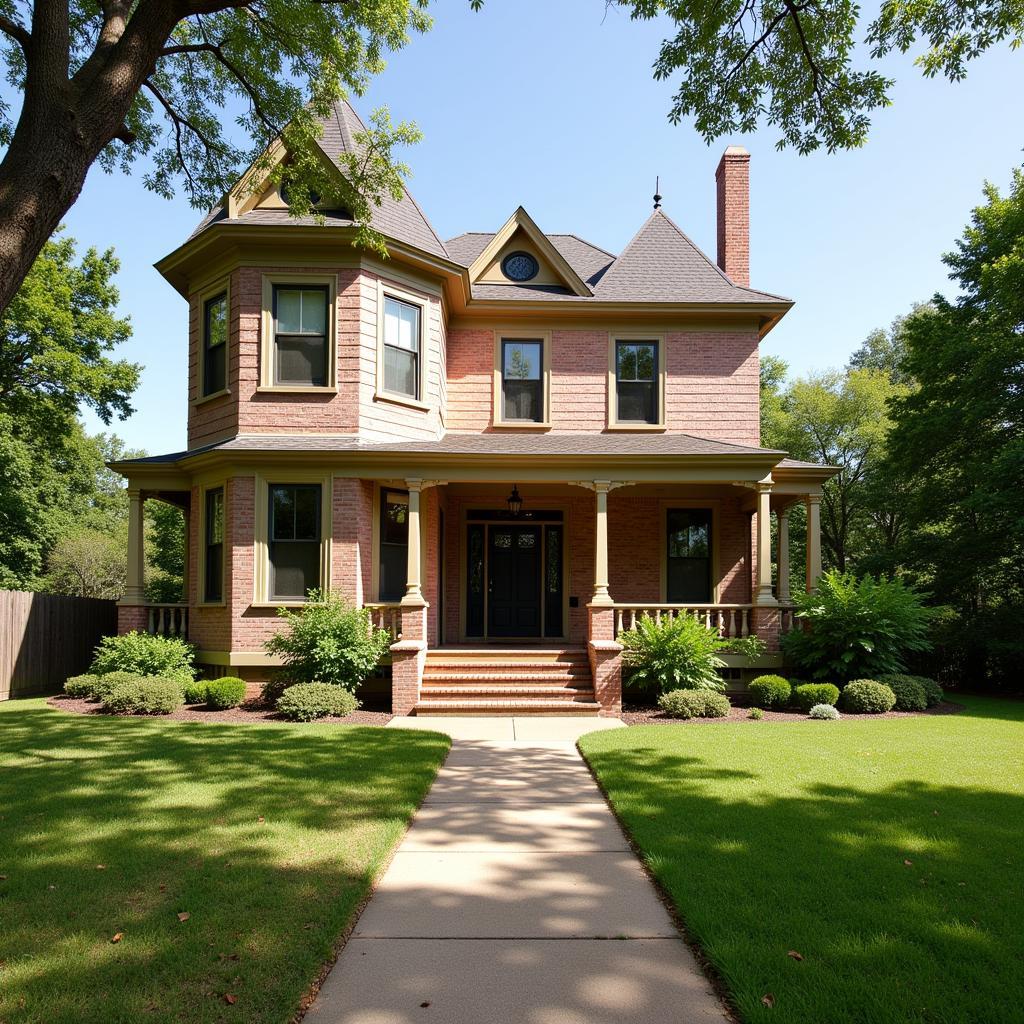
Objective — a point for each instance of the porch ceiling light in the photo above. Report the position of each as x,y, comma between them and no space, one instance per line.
515,502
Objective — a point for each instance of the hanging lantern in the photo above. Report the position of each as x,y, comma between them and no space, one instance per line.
515,502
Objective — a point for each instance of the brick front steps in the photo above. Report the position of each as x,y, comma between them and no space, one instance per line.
507,681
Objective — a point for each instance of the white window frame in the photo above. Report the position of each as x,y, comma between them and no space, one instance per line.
381,394
267,353
614,423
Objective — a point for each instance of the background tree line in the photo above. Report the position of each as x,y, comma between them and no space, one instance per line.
926,422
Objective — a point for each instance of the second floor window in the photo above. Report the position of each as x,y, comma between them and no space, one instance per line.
401,348
215,344
636,377
213,583
300,335
295,540
522,380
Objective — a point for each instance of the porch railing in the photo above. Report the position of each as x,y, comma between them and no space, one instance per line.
386,615
731,620
787,618
167,619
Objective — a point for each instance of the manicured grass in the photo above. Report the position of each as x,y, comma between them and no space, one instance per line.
889,854
266,836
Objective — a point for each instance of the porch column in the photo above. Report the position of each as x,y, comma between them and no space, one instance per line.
601,595
135,589
813,541
783,587
413,589
764,595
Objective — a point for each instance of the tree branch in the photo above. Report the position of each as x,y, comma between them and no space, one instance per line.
16,31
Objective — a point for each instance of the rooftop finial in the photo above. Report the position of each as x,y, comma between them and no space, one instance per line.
657,190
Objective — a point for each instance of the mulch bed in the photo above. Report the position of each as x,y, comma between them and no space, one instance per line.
635,714
251,711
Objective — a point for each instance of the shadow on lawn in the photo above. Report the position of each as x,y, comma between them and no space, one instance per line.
267,837
904,901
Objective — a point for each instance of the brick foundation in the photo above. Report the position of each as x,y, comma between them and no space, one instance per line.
132,618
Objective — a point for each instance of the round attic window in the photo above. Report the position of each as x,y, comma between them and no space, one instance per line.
519,266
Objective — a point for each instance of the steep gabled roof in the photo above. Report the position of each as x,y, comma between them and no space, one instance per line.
589,261
401,220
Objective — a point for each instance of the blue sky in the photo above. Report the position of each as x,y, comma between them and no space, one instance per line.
553,105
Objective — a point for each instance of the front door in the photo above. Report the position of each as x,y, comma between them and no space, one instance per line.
514,581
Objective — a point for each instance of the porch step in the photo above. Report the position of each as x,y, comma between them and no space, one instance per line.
506,707
495,673
530,682
530,693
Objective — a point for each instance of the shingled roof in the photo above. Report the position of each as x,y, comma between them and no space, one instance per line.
401,220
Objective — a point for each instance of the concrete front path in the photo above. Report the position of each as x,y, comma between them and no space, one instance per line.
515,899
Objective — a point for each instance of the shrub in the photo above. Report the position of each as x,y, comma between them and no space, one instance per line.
328,641
867,697
81,686
272,690
859,628
756,714
770,691
106,684
144,695
226,692
306,701
808,695
825,712
194,691
678,653
144,655
905,687
694,704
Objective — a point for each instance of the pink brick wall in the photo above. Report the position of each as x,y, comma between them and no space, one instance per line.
733,188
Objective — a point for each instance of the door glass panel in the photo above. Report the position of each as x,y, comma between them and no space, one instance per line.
688,555
394,545
502,540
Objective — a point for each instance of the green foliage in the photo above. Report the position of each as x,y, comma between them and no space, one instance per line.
807,695
910,694
770,691
756,714
857,627
824,712
194,691
271,691
144,695
144,655
89,563
867,697
106,684
677,653
328,641
165,552
226,692
932,690
806,70
694,704
306,701
81,686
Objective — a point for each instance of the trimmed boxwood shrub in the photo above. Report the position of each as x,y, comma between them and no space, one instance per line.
770,691
105,684
824,712
81,686
194,691
694,704
226,692
932,691
306,701
908,685
867,697
807,695
144,655
144,695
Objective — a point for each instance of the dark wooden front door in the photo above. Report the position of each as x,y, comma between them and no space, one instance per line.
514,581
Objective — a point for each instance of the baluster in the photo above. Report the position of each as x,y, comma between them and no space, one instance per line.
732,623
632,618
744,623
657,616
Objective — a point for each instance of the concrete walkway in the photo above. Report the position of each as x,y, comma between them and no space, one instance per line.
499,904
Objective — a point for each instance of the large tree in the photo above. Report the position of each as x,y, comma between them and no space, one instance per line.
112,80
806,65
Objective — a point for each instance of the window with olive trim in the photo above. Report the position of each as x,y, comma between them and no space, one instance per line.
402,345
522,380
636,382
213,556
688,556
294,540
215,344
300,335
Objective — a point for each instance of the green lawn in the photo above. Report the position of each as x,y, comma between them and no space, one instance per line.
888,853
266,836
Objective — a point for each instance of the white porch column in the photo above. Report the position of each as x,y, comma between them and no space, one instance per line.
764,595
813,541
783,587
601,595
413,588
135,589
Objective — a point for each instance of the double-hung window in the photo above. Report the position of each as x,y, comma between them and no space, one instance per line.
688,556
213,555
522,380
636,382
301,335
295,541
402,347
215,344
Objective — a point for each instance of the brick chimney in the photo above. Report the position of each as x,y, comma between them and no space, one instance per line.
733,179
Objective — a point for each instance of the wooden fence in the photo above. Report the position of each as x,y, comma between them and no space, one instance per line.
45,638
